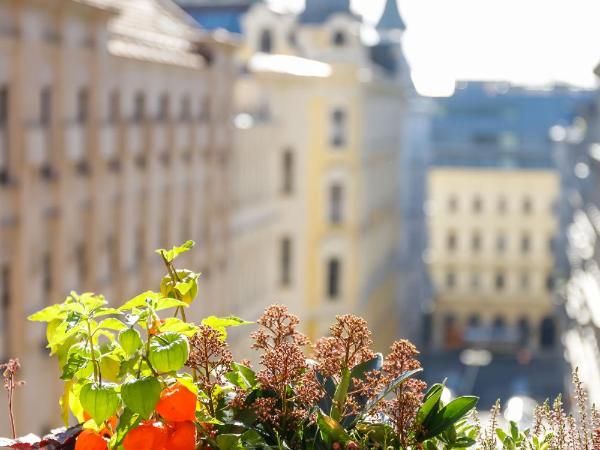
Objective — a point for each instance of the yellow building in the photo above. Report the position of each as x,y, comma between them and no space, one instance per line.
321,110
114,140
490,255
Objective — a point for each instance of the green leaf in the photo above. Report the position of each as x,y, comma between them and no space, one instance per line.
360,370
170,255
179,326
99,401
390,387
75,363
341,392
48,314
168,302
242,376
141,396
112,324
331,430
140,301
447,416
229,442
222,323
106,311
431,403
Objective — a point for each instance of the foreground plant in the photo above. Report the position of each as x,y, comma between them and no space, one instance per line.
141,377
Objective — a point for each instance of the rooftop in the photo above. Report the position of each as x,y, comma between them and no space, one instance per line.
153,30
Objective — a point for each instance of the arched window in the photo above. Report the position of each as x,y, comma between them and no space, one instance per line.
339,38
547,333
265,44
336,203
287,172
339,119
333,278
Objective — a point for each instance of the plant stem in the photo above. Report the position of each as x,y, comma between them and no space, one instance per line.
97,373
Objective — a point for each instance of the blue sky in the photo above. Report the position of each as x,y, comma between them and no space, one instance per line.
524,41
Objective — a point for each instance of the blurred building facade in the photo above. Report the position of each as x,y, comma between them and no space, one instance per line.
114,140
578,157
320,129
493,194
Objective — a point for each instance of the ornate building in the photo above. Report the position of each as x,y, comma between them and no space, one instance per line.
319,120
114,140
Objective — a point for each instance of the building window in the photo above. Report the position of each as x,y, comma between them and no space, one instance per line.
333,278
4,292
287,185
451,241
339,38
500,281
500,243
527,206
163,108
476,241
339,121
475,281
139,107
265,44
112,254
47,275
114,107
336,204
525,244
81,262
3,106
45,106
453,204
450,279
82,105
525,281
285,255
477,205
204,111
502,205
185,114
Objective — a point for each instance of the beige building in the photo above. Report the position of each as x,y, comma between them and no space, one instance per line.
316,167
114,140
490,255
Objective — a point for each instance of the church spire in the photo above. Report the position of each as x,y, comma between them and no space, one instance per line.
391,18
